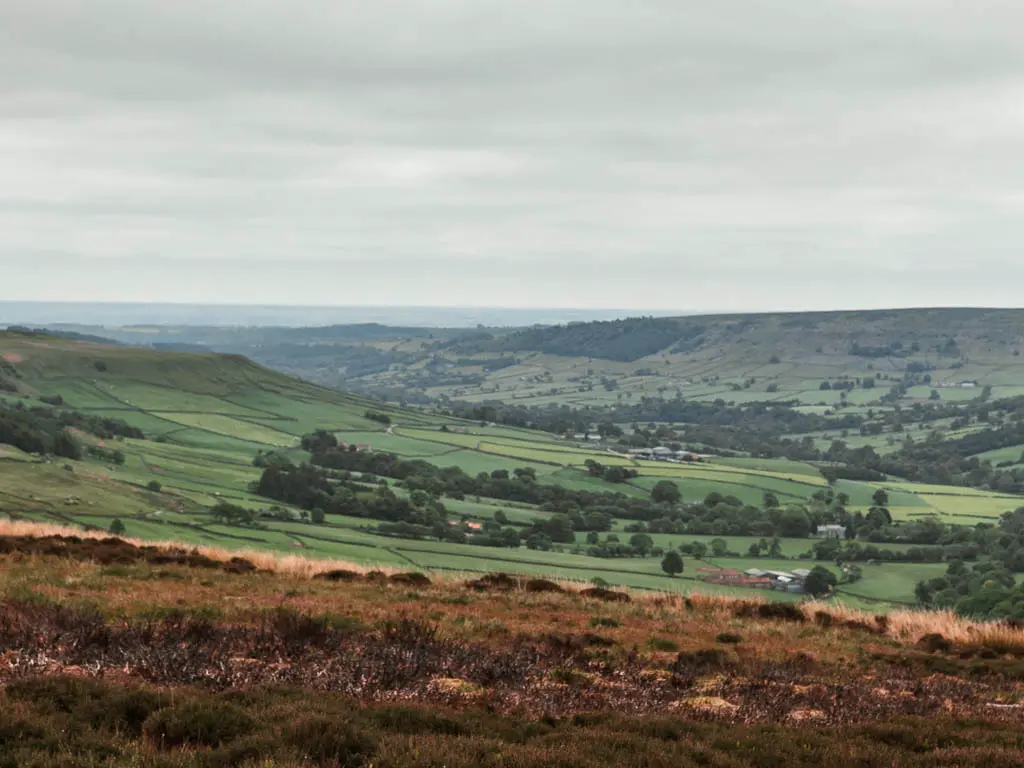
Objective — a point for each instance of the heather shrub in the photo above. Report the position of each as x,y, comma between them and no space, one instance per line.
329,741
198,723
662,644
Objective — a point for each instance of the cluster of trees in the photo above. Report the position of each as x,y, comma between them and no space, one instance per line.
109,455
612,474
35,434
45,430
855,552
8,377
985,589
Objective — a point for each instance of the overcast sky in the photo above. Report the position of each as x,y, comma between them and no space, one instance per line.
593,153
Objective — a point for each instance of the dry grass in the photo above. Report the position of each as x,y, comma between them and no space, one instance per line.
290,565
903,626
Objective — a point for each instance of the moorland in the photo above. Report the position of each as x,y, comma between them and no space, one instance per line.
125,653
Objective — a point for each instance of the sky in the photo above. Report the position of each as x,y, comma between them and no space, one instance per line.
725,156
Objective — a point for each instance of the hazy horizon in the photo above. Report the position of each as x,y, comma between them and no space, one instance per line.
111,314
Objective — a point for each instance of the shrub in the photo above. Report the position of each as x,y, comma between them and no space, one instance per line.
154,486
728,638
662,644
542,585
415,720
328,741
603,621
704,660
780,611
935,643
96,703
197,723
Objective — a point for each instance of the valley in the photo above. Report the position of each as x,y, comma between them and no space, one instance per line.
207,417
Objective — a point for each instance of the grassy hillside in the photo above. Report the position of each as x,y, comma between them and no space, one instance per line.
118,654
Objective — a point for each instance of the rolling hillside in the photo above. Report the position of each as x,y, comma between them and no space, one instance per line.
768,356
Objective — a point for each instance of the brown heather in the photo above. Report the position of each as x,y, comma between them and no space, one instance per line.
118,652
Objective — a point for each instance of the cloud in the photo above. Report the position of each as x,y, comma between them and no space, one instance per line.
740,155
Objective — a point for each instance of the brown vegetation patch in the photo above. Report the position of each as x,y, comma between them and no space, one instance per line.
339,574
542,585
778,611
935,643
412,579
494,582
607,595
114,551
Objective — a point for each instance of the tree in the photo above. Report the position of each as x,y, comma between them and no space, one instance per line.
699,549
880,498
775,548
593,538
500,517
754,550
771,501
66,446
719,547
116,527
672,563
317,516
154,486
641,542
794,523
666,492
852,574
819,581
615,474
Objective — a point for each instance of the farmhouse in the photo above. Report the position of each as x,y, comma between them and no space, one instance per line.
732,578
831,531
783,581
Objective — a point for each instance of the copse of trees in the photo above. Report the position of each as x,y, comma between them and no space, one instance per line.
37,433
986,589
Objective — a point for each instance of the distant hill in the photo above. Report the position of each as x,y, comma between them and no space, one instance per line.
63,334
879,333
770,356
